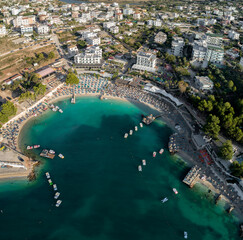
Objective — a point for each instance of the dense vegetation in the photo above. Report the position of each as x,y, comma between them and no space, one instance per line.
72,78
7,109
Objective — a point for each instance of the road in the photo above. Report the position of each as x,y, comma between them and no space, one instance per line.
67,63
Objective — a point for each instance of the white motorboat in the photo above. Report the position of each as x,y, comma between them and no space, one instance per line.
48,175
136,128
141,125
140,168
154,154
175,191
58,203
60,155
144,162
131,132
185,235
52,151
55,187
164,200
161,151
60,110
126,135
56,196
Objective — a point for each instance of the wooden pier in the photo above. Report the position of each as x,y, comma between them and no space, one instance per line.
73,99
150,118
192,176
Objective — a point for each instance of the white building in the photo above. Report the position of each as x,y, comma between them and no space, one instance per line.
87,34
203,83
119,16
93,40
233,35
3,30
199,50
15,11
72,49
146,61
114,29
24,21
127,11
202,22
137,15
157,23
26,30
91,56
42,29
177,46
108,25
160,38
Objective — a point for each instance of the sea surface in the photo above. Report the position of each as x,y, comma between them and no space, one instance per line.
104,196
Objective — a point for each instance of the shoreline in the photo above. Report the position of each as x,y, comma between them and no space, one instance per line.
92,87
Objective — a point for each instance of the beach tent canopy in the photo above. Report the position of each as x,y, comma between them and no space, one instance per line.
151,88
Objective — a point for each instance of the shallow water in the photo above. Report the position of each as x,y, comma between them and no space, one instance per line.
104,196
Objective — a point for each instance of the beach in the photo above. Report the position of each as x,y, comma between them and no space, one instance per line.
91,86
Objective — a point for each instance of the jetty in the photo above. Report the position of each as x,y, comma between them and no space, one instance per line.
192,176
172,145
46,154
73,99
149,119
218,198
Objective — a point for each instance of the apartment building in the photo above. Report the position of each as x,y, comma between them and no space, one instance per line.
160,38
177,46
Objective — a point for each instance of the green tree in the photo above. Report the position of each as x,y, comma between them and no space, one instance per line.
72,79
212,126
51,55
182,86
81,44
237,169
39,89
8,109
226,151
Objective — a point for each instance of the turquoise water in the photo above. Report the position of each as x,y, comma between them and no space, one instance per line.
104,196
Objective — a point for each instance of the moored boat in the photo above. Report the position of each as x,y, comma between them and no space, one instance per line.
136,128
36,146
161,151
60,156
126,135
175,191
54,109
29,147
48,175
55,187
154,154
131,132
139,168
56,196
51,151
164,200
144,162
185,235
58,203
60,110
141,125
50,181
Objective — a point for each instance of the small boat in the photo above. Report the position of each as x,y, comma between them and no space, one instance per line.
136,128
60,110
126,135
60,156
141,125
161,151
140,168
57,107
185,235
175,191
54,109
164,200
144,162
29,147
52,151
50,181
58,203
36,146
55,187
56,196
154,154
131,132
48,175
